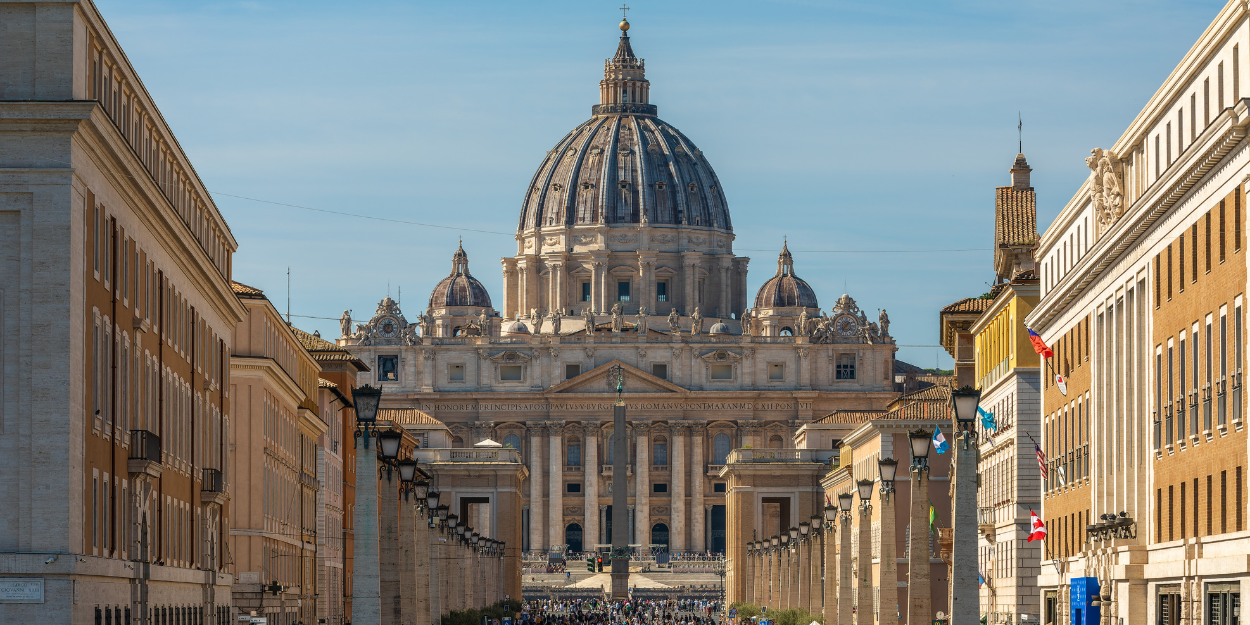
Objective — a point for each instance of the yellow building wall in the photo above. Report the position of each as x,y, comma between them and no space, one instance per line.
1004,342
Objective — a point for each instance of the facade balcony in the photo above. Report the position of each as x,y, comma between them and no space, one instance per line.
568,468
492,454
145,454
213,488
607,469
817,456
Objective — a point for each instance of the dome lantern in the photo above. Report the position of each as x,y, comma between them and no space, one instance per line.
785,289
460,288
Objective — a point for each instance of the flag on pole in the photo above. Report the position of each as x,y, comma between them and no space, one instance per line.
1038,531
933,519
939,441
1041,460
1039,345
987,419
980,579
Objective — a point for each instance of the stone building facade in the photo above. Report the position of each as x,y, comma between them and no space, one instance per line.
1143,277
625,256
116,321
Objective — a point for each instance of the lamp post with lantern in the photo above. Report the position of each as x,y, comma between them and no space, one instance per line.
828,595
846,501
803,570
864,613
919,569
965,600
887,470
366,571
774,571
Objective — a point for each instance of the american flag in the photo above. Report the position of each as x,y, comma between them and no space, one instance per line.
1041,459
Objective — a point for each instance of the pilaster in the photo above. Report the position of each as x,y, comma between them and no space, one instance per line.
642,485
555,492
537,442
698,475
678,473
590,487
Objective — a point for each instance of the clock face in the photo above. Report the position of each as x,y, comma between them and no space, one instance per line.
845,326
389,328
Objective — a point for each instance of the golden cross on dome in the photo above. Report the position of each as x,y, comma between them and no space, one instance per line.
624,8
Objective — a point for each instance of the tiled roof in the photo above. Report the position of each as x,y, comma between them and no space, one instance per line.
324,351
406,416
324,383
1015,216
851,416
968,305
243,290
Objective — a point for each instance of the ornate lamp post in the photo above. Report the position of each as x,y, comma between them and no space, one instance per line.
846,501
919,569
803,570
774,572
864,615
366,574
965,605
887,470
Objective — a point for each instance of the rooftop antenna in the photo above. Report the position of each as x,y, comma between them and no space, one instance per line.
1020,132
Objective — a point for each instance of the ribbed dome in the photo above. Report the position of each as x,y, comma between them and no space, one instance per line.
785,290
624,165
459,288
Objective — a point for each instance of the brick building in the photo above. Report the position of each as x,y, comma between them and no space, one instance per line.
1143,275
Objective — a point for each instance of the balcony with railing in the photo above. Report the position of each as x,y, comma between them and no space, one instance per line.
145,454
494,454
607,469
213,488
818,456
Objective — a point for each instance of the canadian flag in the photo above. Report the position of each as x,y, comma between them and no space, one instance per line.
1038,531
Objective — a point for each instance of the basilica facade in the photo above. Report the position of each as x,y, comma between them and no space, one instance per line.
625,256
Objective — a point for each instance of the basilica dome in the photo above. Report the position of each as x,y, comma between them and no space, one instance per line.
785,290
625,165
459,288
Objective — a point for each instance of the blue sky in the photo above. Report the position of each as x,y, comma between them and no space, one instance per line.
842,125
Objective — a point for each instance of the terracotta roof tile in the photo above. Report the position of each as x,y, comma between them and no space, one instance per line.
1015,216
968,305
406,416
851,416
324,351
243,290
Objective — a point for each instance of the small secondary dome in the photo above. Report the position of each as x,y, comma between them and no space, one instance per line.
785,290
459,288
719,328
517,327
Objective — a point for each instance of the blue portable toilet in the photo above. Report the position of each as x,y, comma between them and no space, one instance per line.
1085,591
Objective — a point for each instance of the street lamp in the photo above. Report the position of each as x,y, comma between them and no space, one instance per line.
920,444
831,513
775,540
845,501
865,495
794,534
785,539
388,444
964,400
805,528
887,469
366,399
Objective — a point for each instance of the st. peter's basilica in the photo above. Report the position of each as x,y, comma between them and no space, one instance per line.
625,255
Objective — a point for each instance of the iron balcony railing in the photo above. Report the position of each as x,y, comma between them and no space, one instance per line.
213,482
145,445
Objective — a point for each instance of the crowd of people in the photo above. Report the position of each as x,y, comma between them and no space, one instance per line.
633,612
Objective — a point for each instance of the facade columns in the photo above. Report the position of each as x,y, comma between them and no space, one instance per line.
722,309
366,572
555,492
677,534
804,573
537,542
590,487
816,559
598,297
774,563
761,572
749,572
890,609
844,601
863,577
919,601
642,486
698,520
690,279
796,555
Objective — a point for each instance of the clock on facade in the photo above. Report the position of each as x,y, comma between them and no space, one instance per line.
846,326
388,328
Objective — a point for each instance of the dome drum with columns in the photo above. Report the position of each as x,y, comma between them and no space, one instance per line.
625,214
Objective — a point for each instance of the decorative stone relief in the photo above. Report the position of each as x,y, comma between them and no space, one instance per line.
1106,188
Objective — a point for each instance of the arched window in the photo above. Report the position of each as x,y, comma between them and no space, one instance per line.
720,448
456,441
573,452
659,536
659,452
573,537
512,440
775,442
786,331
458,331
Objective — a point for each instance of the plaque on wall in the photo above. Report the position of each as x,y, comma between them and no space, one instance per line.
21,590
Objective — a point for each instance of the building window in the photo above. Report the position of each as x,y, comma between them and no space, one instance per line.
661,291
659,370
513,441
720,448
776,371
846,367
573,487
659,487
718,487
572,370
455,373
622,290
585,291
722,372
659,452
573,453
510,373
388,368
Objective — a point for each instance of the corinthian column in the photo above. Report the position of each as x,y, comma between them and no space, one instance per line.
642,484
590,475
536,486
555,507
677,536
698,473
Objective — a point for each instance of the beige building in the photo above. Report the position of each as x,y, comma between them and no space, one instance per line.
276,400
1143,280
625,255
116,321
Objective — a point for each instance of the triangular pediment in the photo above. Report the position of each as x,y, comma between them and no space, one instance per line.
596,381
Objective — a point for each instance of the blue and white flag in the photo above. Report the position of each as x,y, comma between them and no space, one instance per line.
939,441
987,419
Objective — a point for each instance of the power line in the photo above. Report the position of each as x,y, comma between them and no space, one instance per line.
322,210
